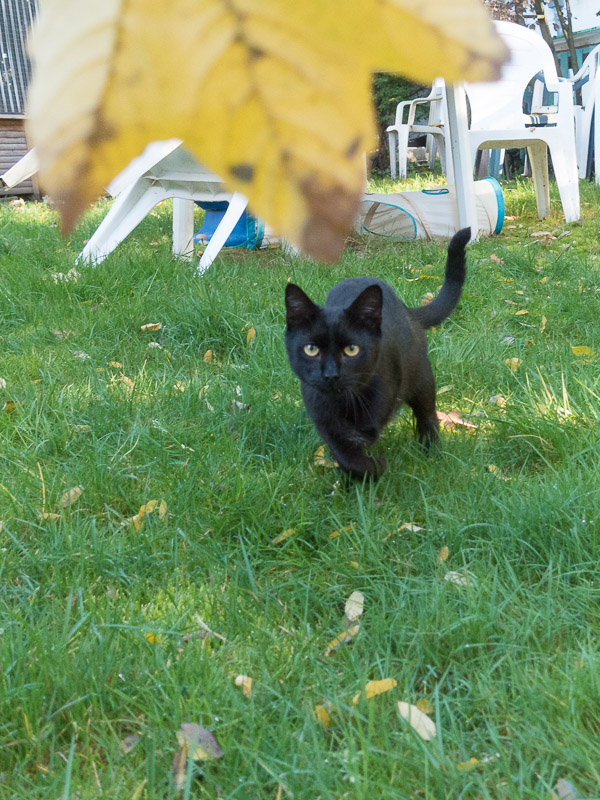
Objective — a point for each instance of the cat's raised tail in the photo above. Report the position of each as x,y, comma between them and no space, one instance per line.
449,295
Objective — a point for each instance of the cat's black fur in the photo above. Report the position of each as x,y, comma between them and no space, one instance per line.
350,398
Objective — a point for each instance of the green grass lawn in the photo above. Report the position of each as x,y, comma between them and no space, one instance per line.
98,601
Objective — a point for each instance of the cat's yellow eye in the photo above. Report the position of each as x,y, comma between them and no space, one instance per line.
351,350
311,350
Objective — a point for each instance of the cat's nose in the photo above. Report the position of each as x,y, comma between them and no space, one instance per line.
330,370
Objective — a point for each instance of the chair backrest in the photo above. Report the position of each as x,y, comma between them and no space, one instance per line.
583,80
499,104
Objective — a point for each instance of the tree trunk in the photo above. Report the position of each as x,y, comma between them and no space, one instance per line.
566,23
540,15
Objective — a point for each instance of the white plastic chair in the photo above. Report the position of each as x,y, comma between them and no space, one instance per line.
586,88
164,170
404,126
497,118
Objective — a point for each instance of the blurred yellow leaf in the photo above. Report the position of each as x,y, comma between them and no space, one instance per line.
150,506
207,357
419,721
48,515
153,638
245,682
9,407
582,350
151,326
543,325
115,364
276,97
162,509
250,335
521,312
71,496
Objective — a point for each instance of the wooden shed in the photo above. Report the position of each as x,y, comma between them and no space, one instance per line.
16,17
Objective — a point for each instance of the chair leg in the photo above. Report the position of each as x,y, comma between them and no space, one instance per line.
237,206
393,148
402,137
431,151
567,180
128,210
538,158
183,227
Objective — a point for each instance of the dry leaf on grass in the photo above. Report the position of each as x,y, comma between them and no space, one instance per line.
250,335
418,721
148,508
129,742
319,459
9,407
198,742
373,688
343,638
245,682
513,363
354,607
283,537
71,496
443,554
151,326
467,766
494,470
582,350
269,94
453,420
424,705
321,714
410,526
459,578
566,791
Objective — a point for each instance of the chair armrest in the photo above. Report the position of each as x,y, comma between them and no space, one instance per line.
434,95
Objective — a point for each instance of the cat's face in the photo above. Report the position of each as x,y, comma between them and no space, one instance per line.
331,348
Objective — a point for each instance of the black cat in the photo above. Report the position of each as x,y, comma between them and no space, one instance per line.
364,354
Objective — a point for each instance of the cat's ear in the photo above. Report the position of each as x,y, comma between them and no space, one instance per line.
300,309
366,309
